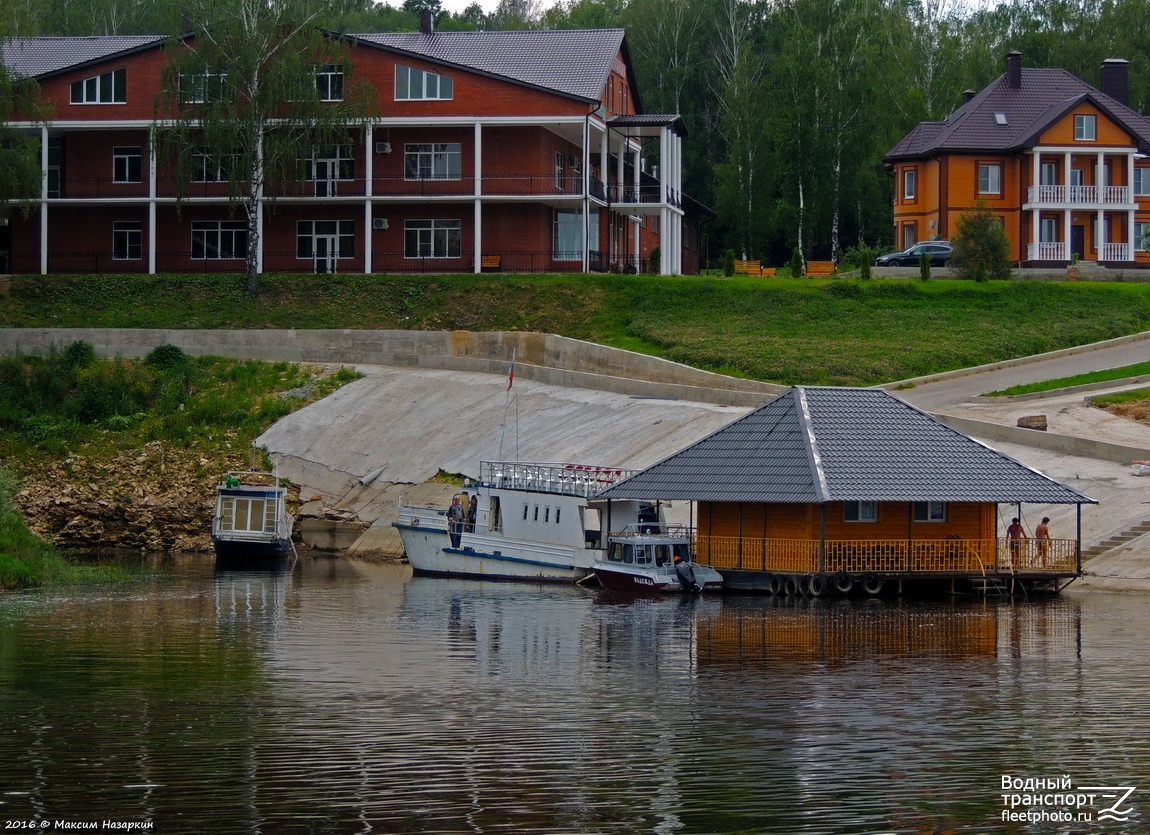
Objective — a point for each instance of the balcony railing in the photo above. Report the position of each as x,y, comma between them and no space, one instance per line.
1079,195
1115,252
926,557
1048,251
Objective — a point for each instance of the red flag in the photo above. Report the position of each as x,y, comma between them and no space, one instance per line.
511,374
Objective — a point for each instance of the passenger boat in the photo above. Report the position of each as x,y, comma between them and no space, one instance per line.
643,558
251,520
533,521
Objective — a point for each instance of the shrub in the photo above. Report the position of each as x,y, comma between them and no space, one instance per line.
796,262
924,266
729,262
981,248
654,262
166,357
79,354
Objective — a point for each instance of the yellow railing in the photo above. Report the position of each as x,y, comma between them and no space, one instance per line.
887,556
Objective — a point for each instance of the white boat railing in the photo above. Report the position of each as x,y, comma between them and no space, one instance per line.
661,529
561,479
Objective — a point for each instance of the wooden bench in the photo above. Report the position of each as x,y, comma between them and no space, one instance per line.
491,263
748,268
820,268
767,271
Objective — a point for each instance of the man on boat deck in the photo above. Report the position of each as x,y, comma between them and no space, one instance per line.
455,517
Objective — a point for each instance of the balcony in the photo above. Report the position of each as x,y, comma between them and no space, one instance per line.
928,558
1079,195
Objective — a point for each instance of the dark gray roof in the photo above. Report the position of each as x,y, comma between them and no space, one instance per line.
36,57
823,444
575,62
649,120
1043,97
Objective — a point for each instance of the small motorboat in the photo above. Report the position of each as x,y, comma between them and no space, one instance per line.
251,521
649,557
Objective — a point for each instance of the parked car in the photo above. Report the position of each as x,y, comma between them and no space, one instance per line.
939,252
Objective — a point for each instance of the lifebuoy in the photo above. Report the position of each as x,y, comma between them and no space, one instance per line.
819,585
790,586
844,582
872,584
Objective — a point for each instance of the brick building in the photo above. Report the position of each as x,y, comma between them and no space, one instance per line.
499,151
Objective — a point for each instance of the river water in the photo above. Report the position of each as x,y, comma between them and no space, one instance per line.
342,697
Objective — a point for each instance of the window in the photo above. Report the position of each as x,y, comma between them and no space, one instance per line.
1048,231
568,242
1048,175
208,168
1142,182
432,239
126,240
413,84
1142,237
908,178
127,165
325,238
440,161
1077,185
990,179
200,87
329,82
1000,118
860,512
909,235
1084,128
930,511
330,162
219,239
109,88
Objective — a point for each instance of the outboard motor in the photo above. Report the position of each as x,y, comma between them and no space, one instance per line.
686,575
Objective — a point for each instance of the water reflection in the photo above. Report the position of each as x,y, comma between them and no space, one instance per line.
342,697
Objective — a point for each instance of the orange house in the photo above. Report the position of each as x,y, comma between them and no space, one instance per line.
1057,160
492,151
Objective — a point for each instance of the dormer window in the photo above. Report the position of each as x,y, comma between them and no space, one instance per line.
1000,118
107,88
1084,128
413,84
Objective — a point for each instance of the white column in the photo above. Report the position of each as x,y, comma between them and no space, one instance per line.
604,148
1035,214
1066,234
368,175
477,208
587,205
151,202
664,212
635,181
43,200
1130,199
1066,174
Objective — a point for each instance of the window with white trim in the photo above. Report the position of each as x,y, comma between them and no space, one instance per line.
1048,230
200,87
908,184
432,238
930,511
1142,182
127,240
127,164
568,240
212,168
990,178
1085,127
862,511
1142,237
341,233
219,239
432,161
330,162
106,88
1049,174
412,84
329,82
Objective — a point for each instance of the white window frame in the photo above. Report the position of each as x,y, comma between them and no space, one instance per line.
1141,236
107,88
433,238
909,183
127,240
567,237
219,240
329,82
1085,127
414,84
308,230
432,161
1048,230
202,87
1048,175
127,164
1141,182
929,512
210,168
860,511
990,178
342,155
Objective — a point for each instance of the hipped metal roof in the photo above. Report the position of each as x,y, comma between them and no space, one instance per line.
825,444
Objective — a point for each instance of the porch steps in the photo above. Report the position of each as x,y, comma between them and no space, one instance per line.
1101,547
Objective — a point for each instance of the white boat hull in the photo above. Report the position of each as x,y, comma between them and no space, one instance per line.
493,558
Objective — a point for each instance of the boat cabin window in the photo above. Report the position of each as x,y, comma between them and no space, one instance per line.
557,515
648,519
546,514
642,555
683,550
616,552
663,555
536,519
242,514
628,554
591,521
525,513
495,518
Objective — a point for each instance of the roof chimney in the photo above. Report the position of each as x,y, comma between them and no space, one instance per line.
426,21
1014,70
1115,78
967,95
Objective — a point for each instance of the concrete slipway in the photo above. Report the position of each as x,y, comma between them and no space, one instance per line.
436,401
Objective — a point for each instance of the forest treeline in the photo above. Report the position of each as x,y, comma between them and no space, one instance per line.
790,104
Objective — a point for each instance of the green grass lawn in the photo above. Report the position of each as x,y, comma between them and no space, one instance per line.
1138,369
829,332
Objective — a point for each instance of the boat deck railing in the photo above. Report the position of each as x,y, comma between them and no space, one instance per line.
561,479
660,529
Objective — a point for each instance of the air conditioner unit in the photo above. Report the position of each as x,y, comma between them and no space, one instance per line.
379,223
383,147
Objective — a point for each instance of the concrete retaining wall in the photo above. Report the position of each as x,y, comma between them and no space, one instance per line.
546,358
1062,444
